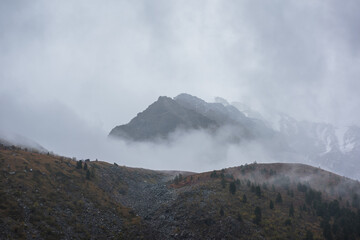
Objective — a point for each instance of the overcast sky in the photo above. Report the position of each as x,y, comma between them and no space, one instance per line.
75,68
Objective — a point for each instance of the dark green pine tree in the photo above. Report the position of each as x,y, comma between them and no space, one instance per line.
176,179
278,198
271,205
327,231
213,174
239,218
223,182
258,191
232,188
221,211
244,199
79,165
309,235
257,213
291,210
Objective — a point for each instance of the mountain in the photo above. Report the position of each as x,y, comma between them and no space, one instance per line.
161,118
227,115
167,115
43,196
280,136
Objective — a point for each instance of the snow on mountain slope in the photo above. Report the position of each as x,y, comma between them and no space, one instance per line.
320,144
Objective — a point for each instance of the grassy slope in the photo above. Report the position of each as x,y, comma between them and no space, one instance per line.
55,200
204,196
48,197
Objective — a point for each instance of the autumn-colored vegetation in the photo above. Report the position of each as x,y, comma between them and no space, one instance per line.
44,196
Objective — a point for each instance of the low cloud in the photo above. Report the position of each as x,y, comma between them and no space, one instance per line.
69,72
58,129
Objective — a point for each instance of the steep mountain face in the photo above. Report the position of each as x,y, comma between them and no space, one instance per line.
43,196
227,115
216,111
190,113
161,118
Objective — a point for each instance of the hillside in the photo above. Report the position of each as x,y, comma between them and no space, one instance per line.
48,197
52,197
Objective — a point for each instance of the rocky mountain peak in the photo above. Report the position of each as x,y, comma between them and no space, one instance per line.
160,119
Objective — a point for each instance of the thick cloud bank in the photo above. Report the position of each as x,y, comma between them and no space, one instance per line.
71,71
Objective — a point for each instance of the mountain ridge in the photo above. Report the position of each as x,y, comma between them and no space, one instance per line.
159,119
283,137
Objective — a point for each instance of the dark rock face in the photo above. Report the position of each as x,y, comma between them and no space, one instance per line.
215,111
161,118
189,113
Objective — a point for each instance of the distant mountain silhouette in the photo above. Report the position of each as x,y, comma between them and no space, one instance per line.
161,118
187,112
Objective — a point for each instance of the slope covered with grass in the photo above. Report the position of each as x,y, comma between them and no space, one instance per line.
43,196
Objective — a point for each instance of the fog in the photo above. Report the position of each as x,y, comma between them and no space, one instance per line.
71,71
64,133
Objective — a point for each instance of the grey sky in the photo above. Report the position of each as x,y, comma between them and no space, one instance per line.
69,68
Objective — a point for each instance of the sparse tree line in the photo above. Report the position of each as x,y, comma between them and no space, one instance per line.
337,222
85,167
178,178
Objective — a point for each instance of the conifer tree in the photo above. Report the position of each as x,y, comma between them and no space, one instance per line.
87,174
244,199
271,205
278,198
232,188
257,213
221,211
79,165
291,210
